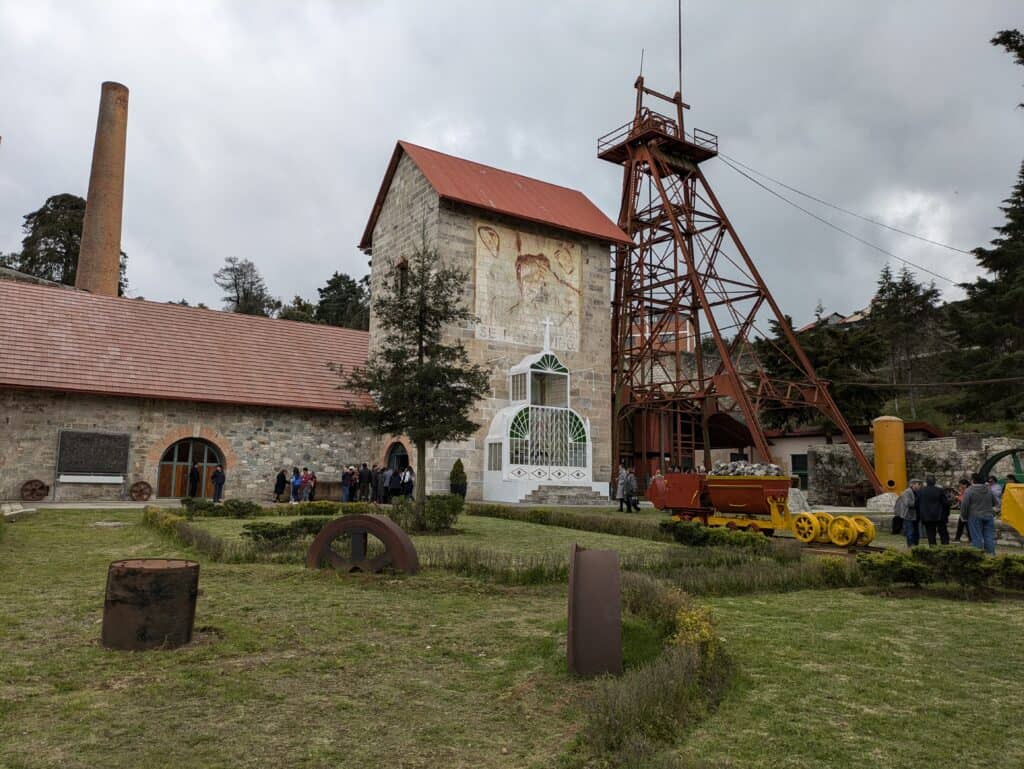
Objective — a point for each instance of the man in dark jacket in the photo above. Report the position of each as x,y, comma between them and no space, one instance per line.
933,510
979,506
218,479
280,484
193,480
364,483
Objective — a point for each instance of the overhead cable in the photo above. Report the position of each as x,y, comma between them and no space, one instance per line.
816,199
834,226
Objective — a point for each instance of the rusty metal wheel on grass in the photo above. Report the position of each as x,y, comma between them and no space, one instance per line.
34,490
140,491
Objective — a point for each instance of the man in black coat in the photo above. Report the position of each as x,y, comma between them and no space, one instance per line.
193,480
933,510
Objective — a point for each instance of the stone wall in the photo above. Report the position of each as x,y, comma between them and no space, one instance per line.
255,441
409,213
948,459
412,208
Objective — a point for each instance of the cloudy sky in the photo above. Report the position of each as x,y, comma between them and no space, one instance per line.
262,129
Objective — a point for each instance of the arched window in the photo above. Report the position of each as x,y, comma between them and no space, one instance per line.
543,436
397,457
177,461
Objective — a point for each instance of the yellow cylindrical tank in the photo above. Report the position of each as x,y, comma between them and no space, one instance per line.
890,453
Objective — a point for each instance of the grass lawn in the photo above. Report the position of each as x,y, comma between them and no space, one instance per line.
850,679
491,533
292,668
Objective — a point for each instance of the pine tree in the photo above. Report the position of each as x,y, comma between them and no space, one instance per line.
345,302
990,322
53,238
842,356
421,386
245,291
905,315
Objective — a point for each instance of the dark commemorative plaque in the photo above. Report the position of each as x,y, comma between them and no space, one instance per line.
92,453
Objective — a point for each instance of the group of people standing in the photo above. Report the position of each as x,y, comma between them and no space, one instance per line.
928,505
362,484
626,490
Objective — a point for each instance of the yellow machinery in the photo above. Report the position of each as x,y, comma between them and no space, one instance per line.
890,453
752,503
1013,506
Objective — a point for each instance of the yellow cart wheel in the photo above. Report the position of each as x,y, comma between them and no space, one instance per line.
824,521
843,531
805,527
866,528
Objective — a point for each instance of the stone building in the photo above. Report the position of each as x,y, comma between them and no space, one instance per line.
98,393
533,251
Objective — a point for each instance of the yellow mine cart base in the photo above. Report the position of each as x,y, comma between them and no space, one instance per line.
840,530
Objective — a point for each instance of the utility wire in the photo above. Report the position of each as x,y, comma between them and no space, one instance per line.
961,383
844,210
834,226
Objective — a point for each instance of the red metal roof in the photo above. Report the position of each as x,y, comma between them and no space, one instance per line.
503,192
73,341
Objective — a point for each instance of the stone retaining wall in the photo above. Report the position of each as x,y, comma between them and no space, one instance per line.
948,459
255,441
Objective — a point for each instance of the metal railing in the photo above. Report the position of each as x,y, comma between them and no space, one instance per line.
649,120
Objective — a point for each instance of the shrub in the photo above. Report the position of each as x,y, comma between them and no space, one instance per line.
1009,571
649,598
442,511
640,528
966,566
180,529
242,508
696,627
699,535
894,566
438,513
632,717
273,533
457,479
204,507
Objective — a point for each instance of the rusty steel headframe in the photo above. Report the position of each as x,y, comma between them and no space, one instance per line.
399,552
687,279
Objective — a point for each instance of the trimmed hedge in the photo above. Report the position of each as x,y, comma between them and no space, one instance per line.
439,513
965,566
630,720
639,528
274,533
699,535
208,544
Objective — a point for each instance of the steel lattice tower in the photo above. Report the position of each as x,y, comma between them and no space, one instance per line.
688,300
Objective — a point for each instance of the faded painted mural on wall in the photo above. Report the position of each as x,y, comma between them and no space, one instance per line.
523,279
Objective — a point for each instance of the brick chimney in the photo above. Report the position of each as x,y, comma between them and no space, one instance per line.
99,257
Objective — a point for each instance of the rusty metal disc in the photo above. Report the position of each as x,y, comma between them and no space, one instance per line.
140,491
34,490
399,551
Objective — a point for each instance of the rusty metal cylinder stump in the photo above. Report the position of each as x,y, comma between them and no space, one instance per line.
150,603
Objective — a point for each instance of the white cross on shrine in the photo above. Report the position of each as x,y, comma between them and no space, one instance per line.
547,323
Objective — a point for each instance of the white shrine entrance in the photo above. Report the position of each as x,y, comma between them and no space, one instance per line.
538,440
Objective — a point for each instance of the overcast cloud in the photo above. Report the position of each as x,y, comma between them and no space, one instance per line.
262,129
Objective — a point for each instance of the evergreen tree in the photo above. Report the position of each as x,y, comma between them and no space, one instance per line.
299,309
842,356
53,238
906,317
345,302
421,386
245,291
990,322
